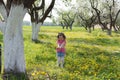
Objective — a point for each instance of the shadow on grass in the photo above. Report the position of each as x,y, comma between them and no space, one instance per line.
96,41
15,76
41,42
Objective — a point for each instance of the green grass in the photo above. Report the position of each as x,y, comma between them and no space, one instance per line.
94,56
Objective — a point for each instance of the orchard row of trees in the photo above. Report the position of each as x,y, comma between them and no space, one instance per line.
88,13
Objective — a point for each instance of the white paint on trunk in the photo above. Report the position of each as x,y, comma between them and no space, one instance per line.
2,26
3,12
13,41
35,30
4,15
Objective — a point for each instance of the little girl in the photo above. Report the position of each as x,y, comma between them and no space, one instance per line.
61,42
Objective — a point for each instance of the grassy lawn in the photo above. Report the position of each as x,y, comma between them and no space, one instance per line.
89,56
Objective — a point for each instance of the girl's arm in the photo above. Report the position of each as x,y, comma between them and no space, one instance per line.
62,45
59,46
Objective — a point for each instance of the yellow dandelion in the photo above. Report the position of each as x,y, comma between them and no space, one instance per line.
37,73
33,74
90,72
70,74
43,73
95,74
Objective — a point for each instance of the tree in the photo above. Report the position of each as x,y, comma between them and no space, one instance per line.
66,16
38,15
112,15
86,16
67,20
14,61
118,22
88,22
94,6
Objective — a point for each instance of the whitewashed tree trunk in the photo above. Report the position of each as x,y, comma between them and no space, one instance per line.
4,14
2,26
13,41
35,30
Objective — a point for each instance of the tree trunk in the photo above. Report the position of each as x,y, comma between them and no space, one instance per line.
3,12
118,28
2,26
115,28
67,27
109,32
14,61
86,28
63,27
89,30
0,58
70,27
35,30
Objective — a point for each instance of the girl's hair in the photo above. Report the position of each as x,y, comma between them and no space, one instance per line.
61,34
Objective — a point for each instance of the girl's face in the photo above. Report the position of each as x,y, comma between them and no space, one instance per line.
61,37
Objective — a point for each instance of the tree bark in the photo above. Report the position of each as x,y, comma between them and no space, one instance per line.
14,61
0,58
89,29
2,26
115,28
109,32
3,11
35,30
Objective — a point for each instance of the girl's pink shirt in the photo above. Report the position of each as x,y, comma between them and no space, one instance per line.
59,42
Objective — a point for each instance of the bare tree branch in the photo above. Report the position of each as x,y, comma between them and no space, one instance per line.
47,11
41,6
